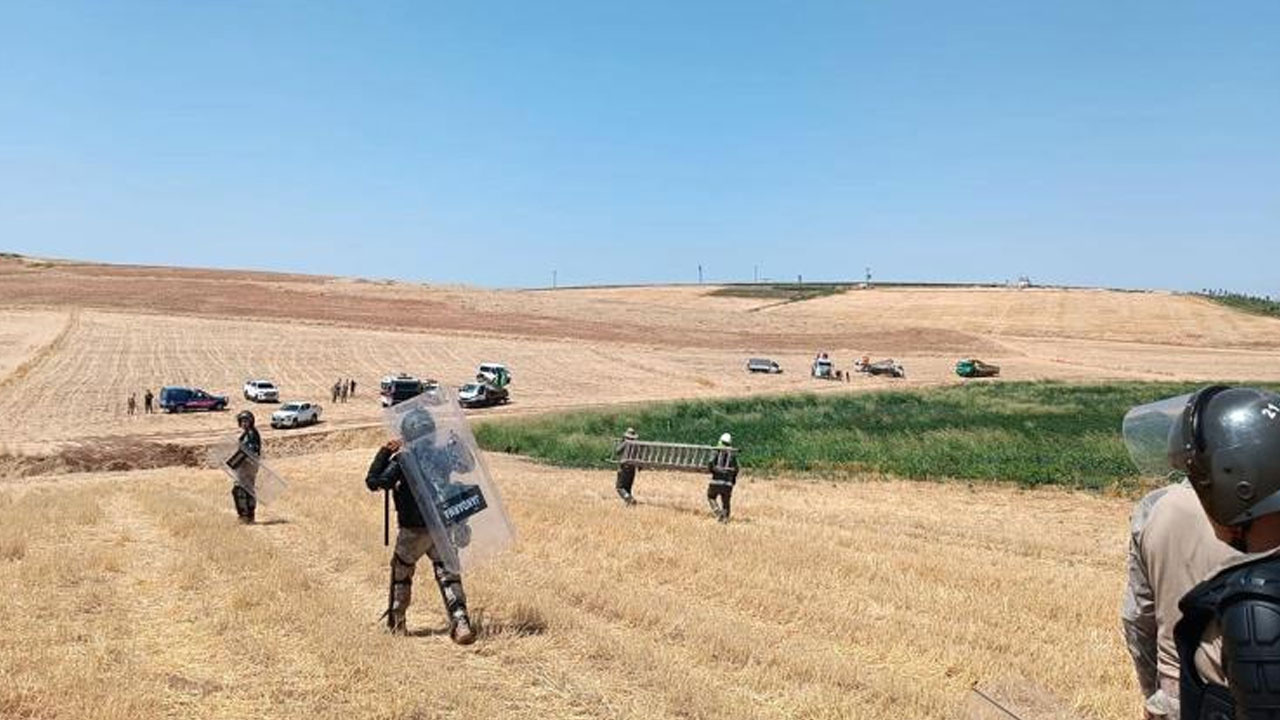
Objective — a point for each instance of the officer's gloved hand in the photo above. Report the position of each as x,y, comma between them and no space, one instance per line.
460,535
460,455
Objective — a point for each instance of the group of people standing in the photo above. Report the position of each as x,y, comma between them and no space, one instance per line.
148,403
343,389
1201,612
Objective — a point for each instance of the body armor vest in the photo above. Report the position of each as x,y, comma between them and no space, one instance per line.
1244,601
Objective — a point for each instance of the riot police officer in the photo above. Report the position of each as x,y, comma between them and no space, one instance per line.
242,493
413,540
1227,441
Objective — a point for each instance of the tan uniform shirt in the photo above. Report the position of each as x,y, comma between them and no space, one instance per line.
1172,548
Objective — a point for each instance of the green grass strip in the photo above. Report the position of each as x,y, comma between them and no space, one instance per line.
783,292
1248,303
1031,433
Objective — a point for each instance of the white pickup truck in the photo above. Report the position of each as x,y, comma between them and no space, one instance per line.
295,414
261,391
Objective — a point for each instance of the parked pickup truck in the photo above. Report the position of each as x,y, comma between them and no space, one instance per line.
295,414
475,395
261,391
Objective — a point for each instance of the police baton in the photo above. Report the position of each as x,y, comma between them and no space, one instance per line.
988,708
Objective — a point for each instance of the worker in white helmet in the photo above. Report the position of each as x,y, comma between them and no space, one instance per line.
724,474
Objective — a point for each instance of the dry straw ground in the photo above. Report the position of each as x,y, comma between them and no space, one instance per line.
135,594
138,596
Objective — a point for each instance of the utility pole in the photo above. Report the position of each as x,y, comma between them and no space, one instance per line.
699,273
755,273
553,279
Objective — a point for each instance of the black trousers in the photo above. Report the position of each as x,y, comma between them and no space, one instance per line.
721,493
626,478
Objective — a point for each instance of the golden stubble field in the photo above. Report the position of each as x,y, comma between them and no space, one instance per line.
136,594
77,340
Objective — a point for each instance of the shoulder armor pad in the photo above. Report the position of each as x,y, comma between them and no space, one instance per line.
1257,580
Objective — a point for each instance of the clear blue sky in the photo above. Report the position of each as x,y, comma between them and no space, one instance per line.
1086,142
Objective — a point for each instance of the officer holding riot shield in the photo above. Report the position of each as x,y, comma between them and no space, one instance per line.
395,468
242,493
1227,441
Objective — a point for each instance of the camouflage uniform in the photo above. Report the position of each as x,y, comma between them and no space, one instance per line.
413,540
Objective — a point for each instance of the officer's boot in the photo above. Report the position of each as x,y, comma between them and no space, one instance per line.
455,604
399,596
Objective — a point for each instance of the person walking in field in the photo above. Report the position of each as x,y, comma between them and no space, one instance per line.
724,475
1171,548
242,493
626,471
353,387
133,403
334,391
346,390
147,400
413,539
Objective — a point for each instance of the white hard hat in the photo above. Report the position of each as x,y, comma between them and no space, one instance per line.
726,439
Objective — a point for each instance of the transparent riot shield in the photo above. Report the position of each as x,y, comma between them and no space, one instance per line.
247,471
1149,431
454,491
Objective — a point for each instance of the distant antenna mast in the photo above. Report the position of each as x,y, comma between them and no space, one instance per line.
755,273
699,273
553,279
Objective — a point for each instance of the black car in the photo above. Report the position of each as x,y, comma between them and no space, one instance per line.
181,399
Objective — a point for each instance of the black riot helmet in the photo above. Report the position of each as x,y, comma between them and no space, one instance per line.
1229,444
1225,439
244,418
417,424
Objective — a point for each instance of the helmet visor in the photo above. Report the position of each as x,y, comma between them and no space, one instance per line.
1152,431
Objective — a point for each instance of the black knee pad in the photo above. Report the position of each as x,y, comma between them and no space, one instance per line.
242,499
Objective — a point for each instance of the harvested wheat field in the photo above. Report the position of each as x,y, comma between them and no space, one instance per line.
83,337
138,596
134,594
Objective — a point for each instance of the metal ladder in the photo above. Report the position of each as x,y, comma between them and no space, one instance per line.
673,456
